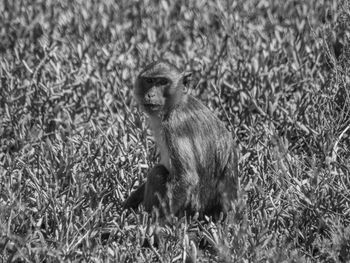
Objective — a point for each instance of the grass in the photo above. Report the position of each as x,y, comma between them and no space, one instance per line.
73,145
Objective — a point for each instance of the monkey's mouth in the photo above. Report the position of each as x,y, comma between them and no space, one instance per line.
152,107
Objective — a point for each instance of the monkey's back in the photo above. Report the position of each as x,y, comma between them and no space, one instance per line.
201,145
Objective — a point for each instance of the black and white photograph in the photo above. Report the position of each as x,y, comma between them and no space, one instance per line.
175,131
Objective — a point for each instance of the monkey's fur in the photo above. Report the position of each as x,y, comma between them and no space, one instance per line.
198,167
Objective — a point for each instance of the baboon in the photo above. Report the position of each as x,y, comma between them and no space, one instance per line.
198,171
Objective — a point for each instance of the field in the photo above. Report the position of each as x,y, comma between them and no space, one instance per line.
73,144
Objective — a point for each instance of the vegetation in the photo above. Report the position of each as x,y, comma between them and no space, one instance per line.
73,145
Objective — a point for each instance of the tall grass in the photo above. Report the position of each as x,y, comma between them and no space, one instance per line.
73,145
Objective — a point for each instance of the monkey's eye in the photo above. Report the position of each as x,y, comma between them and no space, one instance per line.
150,80
163,81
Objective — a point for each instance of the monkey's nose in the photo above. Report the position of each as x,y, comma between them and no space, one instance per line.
150,95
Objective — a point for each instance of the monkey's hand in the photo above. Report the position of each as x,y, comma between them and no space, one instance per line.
146,193
135,198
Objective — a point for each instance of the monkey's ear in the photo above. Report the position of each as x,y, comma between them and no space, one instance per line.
186,80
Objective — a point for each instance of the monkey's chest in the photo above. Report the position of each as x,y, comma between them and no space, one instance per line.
159,138
164,154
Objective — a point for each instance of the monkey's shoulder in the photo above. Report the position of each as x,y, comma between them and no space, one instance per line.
194,118
199,112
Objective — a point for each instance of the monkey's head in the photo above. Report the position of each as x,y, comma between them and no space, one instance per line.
161,86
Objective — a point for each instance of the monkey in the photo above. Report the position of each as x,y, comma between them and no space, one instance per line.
198,168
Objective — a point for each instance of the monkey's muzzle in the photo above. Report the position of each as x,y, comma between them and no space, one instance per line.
152,107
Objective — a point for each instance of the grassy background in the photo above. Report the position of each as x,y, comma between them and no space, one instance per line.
73,145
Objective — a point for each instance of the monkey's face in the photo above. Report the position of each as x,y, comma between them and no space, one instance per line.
160,87
155,93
